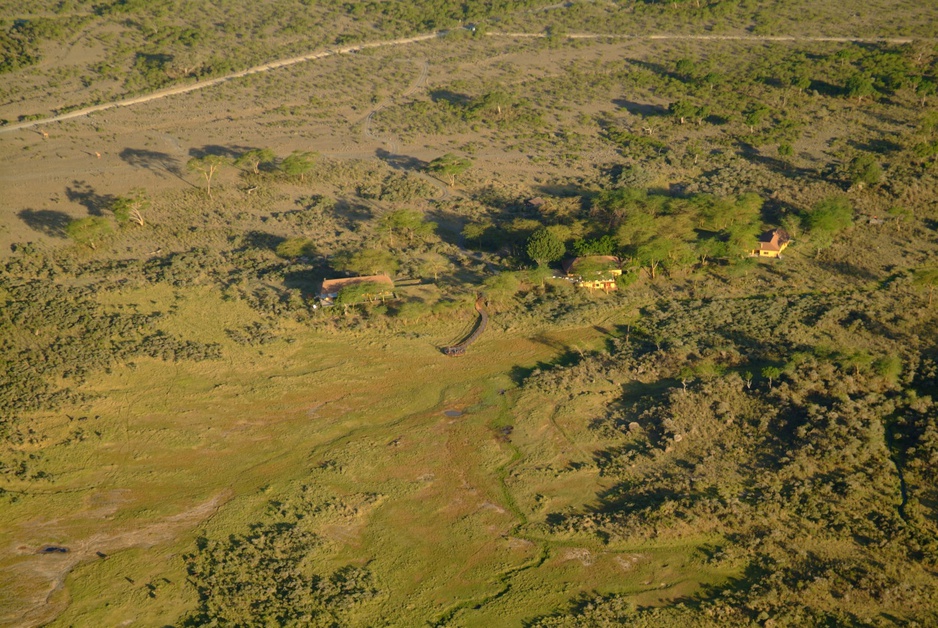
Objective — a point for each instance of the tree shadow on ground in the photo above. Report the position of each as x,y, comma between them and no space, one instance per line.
826,89
453,98
657,68
308,279
852,270
400,162
46,221
645,110
352,213
773,210
260,240
787,170
568,357
561,190
152,160
83,194
216,150
880,146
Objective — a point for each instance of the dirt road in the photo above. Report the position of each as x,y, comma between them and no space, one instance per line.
182,89
744,38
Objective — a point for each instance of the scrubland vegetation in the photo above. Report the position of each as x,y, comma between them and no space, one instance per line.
189,439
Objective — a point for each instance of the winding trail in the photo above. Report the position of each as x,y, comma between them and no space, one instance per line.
460,349
416,84
273,65
184,89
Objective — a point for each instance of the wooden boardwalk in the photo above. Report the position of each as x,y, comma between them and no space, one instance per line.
460,349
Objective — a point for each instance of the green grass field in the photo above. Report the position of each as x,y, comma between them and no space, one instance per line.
439,507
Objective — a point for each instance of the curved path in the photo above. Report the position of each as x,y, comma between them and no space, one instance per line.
183,89
415,85
460,349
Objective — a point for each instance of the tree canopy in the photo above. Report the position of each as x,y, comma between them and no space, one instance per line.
130,208
298,163
409,224
207,166
449,166
89,231
544,247
366,262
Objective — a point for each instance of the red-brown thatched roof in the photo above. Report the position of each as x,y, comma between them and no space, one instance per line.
333,286
773,240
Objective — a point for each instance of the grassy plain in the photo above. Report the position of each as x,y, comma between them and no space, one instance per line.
479,491
212,443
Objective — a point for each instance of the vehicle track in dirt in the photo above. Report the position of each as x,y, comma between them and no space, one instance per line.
322,54
184,89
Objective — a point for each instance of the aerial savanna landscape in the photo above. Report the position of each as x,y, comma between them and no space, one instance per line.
434,313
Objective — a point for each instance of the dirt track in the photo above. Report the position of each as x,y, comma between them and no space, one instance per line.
182,89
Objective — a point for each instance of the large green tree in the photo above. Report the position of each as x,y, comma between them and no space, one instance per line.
292,248
865,170
926,279
409,224
544,247
859,86
826,219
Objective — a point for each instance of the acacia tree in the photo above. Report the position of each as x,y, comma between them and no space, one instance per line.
434,264
682,110
771,373
255,157
292,248
754,115
364,291
449,166
653,252
828,217
130,208
899,215
409,223
865,170
207,166
927,279
924,89
492,101
88,231
298,163
366,261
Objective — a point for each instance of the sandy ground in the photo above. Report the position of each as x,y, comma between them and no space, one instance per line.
61,168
